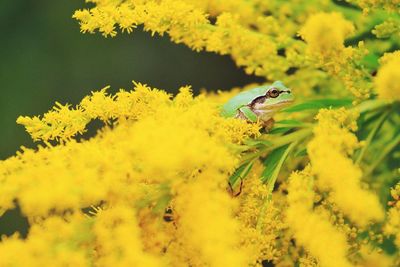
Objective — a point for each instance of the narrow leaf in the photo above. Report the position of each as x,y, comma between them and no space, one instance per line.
251,142
241,173
371,105
386,150
371,135
301,153
273,164
279,130
292,123
318,104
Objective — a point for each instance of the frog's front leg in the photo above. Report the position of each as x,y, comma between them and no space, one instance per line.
247,113
268,124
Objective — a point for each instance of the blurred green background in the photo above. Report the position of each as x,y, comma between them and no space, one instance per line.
45,58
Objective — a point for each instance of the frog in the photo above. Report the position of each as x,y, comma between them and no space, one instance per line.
259,104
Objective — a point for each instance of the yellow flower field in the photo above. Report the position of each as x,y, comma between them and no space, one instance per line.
168,181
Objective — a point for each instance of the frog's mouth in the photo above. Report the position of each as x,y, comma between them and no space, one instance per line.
283,103
278,105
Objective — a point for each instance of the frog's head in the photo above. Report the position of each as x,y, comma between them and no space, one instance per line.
276,97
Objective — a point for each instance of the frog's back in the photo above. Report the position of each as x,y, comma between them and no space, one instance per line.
242,99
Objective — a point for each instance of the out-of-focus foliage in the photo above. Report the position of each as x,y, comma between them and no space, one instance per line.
167,181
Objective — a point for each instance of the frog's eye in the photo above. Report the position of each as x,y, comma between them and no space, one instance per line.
273,93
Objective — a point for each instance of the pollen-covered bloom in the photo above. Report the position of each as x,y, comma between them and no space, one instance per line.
389,27
54,241
151,186
310,229
329,152
151,150
370,5
392,226
261,222
214,232
387,80
116,235
186,22
325,32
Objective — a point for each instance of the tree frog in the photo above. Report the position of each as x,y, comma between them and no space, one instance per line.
259,104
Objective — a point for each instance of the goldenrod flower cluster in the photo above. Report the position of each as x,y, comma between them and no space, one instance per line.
126,167
331,146
259,50
387,28
368,5
388,79
321,37
167,181
393,224
328,245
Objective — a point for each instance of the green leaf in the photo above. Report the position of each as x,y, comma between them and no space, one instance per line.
371,135
386,150
273,164
161,203
279,130
241,173
371,61
251,142
372,105
301,153
366,119
292,123
318,104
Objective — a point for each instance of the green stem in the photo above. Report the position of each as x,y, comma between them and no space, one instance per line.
371,135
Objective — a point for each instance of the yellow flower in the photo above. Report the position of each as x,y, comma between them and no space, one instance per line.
387,28
387,80
336,172
392,226
368,5
157,148
156,172
186,23
117,239
325,32
51,242
310,229
153,135
373,257
261,222
215,232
